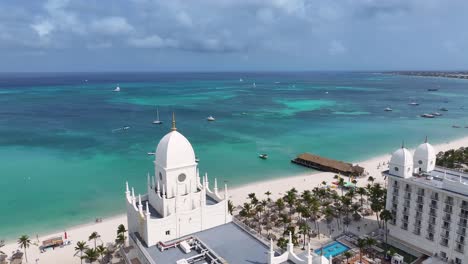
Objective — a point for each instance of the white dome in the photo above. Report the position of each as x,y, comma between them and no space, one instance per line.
425,151
402,157
174,150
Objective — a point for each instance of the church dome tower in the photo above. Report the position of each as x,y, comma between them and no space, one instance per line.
425,157
175,165
401,163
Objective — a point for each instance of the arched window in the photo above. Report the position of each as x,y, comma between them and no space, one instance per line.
160,176
181,177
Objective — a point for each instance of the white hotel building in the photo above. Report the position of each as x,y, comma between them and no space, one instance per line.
429,206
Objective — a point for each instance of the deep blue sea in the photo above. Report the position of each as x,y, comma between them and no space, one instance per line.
65,161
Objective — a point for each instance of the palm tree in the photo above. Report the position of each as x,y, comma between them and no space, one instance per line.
370,242
268,193
120,240
361,191
361,243
94,236
386,216
24,243
304,229
2,244
91,255
282,242
371,179
80,248
121,229
348,254
102,251
230,207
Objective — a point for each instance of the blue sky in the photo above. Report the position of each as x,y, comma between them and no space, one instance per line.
237,35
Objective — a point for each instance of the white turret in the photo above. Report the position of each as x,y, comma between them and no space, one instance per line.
425,157
401,163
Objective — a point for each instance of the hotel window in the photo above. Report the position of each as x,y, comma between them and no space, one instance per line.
168,232
396,168
443,254
420,162
458,261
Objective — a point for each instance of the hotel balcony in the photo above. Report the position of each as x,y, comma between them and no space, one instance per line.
418,216
448,210
420,192
460,248
430,238
407,189
430,229
404,220
434,198
447,236
464,206
461,242
449,202
407,197
462,224
444,243
417,225
433,205
447,218
461,231
463,215
417,232
418,209
406,203
446,227
433,213
395,192
420,201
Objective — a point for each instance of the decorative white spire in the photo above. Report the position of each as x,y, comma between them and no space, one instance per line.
164,191
133,197
147,209
158,189
215,186
226,197
149,181
140,205
206,180
127,191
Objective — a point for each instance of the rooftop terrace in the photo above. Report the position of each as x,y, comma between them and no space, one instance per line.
227,241
441,178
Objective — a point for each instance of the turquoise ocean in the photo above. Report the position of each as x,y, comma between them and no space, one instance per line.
65,159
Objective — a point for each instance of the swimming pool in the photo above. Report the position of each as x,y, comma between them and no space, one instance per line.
333,249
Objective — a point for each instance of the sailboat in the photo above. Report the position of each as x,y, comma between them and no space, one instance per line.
117,89
254,85
157,121
240,80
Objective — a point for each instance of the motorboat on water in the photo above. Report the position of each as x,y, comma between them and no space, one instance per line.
151,153
455,126
413,103
254,85
388,109
427,116
263,156
443,109
436,114
240,80
157,121
433,89
197,159
210,118
117,89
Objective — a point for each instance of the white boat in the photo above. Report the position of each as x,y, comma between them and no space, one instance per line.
413,103
151,153
388,109
117,89
240,80
427,116
254,85
436,114
157,121
263,156
210,118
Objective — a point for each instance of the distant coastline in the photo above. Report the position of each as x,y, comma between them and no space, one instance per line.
441,74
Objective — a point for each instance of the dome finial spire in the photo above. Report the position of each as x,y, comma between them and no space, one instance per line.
173,122
402,144
425,141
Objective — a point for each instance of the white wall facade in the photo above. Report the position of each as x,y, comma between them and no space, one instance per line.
428,219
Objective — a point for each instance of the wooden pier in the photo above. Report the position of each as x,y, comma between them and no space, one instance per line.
325,164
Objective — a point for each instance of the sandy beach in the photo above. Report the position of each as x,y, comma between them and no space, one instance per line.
107,228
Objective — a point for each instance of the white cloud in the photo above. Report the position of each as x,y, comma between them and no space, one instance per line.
43,28
184,19
336,48
153,41
111,26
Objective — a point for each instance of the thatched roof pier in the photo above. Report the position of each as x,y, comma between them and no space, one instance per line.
325,164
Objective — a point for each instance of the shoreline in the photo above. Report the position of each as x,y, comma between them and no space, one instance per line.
277,186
